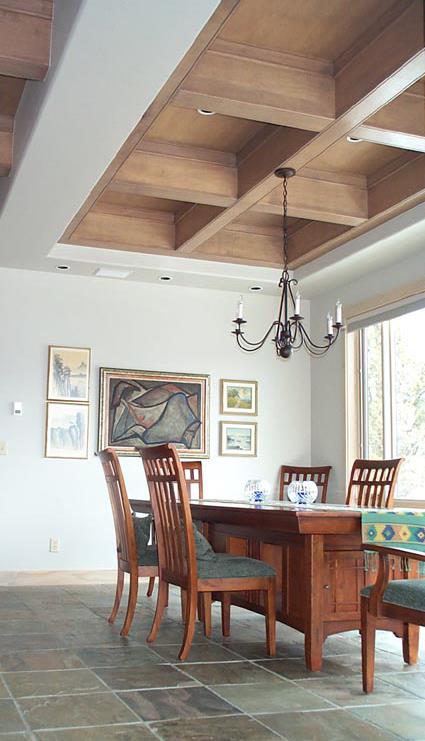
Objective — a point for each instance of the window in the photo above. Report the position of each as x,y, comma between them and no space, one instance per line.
392,397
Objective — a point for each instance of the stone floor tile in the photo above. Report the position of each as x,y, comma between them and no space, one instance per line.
326,725
270,698
413,682
406,720
63,682
75,710
239,672
343,665
118,656
189,702
349,691
34,641
137,732
198,652
144,676
39,660
4,695
9,717
236,728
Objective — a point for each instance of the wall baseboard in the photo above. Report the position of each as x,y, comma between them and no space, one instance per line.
56,578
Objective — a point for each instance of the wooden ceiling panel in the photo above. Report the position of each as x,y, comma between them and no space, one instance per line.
289,82
313,28
186,126
362,158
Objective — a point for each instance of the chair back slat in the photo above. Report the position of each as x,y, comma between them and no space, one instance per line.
318,474
372,482
171,510
121,510
194,480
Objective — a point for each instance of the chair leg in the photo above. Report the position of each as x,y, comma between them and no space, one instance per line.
226,599
132,601
271,619
189,628
161,604
183,600
200,608
206,601
150,586
410,643
118,595
368,645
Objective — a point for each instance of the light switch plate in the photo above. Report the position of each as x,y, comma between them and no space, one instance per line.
3,447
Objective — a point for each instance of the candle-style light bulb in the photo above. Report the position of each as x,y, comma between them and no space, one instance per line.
297,303
338,312
239,310
330,325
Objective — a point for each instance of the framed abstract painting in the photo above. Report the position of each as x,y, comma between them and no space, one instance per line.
145,408
239,397
68,373
66,430
238,438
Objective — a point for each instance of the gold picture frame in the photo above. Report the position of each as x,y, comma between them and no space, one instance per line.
238,438
143,408
67,430
239,397
68,374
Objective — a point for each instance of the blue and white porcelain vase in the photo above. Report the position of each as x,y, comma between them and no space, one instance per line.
257,490
302,492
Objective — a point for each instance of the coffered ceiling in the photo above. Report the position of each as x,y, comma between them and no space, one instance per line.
288,83
25,36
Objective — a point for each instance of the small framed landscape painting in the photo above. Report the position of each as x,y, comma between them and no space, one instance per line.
238,438
68,373
67,428
144,408
239,397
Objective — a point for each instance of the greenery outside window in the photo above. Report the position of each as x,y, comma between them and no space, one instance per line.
391,396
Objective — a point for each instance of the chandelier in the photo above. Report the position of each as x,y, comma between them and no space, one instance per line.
289,332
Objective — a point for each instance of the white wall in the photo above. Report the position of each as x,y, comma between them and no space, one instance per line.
136,326
328,373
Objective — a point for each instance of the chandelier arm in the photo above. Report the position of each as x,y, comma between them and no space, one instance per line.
311,346
260,343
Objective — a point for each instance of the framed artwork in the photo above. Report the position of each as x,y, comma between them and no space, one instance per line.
143,408
239,397
238,438
68,374
67,428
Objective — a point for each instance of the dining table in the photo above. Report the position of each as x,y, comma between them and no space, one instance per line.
317,553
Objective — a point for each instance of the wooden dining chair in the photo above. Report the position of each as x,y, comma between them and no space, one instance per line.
372,483
137,562
193,475
183,564
401,601
318,474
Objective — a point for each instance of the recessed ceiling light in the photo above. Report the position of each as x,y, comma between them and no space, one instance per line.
62,267
165,277
205,112
256,288
354,139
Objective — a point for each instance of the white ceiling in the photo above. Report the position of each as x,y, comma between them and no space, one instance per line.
110,58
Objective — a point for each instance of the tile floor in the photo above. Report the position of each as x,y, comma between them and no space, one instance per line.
66,675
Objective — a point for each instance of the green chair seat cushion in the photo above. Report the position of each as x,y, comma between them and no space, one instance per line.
142,531
225,566
149,557
403,592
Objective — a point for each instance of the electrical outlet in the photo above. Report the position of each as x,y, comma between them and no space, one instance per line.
54,545
3,447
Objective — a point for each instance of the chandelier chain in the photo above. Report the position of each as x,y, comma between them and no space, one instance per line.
285,223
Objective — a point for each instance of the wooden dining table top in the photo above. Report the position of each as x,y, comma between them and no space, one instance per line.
273,515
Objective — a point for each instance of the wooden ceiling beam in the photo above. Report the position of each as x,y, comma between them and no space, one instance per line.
386,72
245,246
180,173
400,124
263,85
321,196
401,186
25,35
11,89
311,237
99,229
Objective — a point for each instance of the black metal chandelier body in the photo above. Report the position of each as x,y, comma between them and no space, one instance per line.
288,330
